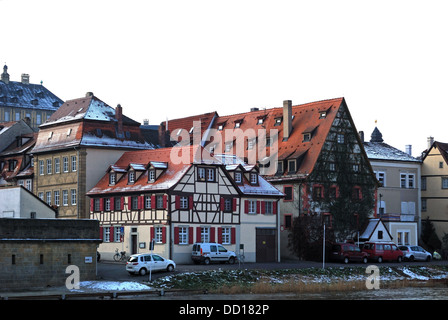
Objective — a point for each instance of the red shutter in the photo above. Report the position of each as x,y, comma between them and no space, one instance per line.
122,204
258,207
234,204
164,235
212,234
111,234
165,200
232,236
223,201
112,204
141,201
219,235
177,200
274,207
101,233
190,235
92,204
129,203
152,233
246,206
263,207
101,204
190,202
176,235
153,201
198,234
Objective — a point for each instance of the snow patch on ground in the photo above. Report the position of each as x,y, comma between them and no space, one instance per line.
111,286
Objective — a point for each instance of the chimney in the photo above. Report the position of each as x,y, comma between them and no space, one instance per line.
119,117
409,149
287,119
361,136
89,94
430,142
5,75
25,78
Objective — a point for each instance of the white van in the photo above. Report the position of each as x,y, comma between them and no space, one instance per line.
211,252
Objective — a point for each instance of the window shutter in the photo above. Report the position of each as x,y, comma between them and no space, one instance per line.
246,206
190,235
92,204
165,200
122,204
212,234
234,204
258,207
141,201
129,203
222,204
190,202
111,234
176,235
263,207
198,234
220,235
232,236
152,233
274,207
177,202
153,201
101,233
164,235
101,204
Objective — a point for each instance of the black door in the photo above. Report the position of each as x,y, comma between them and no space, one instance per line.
265,245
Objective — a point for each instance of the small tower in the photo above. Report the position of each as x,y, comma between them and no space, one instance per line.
5,75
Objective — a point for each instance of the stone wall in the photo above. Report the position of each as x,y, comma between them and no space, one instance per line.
37,252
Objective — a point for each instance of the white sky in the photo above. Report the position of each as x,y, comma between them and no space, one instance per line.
175,58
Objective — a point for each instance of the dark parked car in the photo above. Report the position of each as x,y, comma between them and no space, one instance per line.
346,252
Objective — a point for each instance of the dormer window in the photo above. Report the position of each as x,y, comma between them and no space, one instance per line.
322,114
151,175
131,177
253,178
306,137
238,177
278,121
237,124
112,178
292,166
280,168
220,127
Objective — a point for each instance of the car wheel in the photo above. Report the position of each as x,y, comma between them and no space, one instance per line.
142,271
231,260
380,259
364,260
411,258
428,258
399,259
170,268
207,261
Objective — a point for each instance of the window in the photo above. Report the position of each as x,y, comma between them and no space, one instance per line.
152,175
73,197
183,235
183,202
107,204
49,166
48,198
57,165
356,168
253,178
423,183
306,137
288,221
280,167
268,207
403,238
340,138
74,165
440,164
228,205
381,177
134,203
112,178
117,204
96,204
226,235
56,197
41,167
318,192
250,144
407,180
278,121
252,207
106,234
65,164
356,193
322,114
158,234
41,196
238,177
287,190
201,174
117,234
229,146
292,166
159,200
29,184
444,182
210,174
424,205
131,177
205,234
147,202
65,197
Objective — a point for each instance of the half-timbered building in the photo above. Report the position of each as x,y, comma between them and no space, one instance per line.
182,195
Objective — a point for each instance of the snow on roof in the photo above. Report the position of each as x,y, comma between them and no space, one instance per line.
383,151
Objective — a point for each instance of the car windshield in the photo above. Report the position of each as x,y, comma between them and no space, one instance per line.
368,246
133,259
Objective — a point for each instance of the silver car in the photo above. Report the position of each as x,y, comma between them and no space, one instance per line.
412,253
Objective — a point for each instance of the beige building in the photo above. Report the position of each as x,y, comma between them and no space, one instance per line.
398,197
72,148
435,186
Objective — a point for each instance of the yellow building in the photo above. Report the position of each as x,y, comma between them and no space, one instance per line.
434,186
